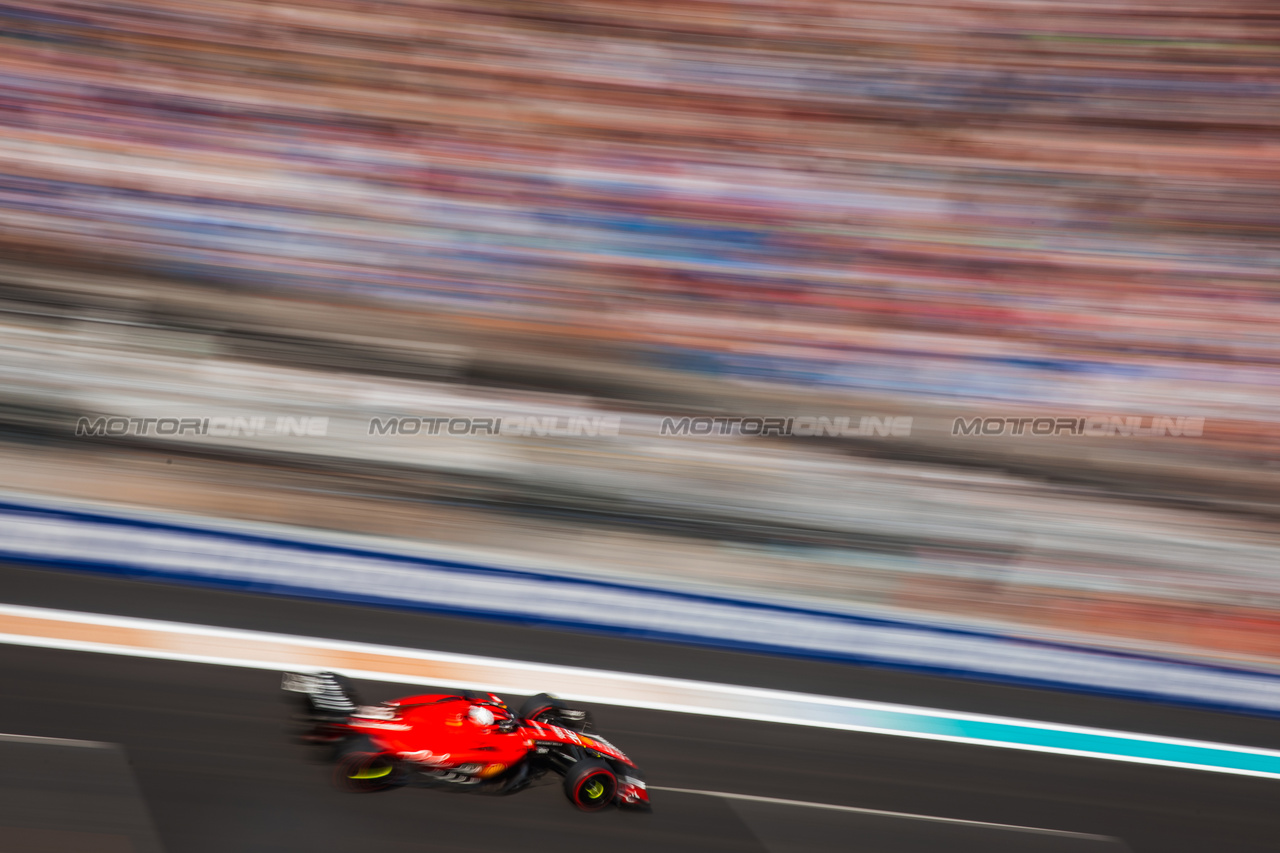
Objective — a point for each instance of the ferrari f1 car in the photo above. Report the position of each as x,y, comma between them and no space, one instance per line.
468,742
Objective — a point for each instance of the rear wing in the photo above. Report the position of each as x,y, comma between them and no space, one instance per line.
328,694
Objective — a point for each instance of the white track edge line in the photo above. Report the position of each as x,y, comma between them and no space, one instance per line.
558,669
396,678
882,813
54,741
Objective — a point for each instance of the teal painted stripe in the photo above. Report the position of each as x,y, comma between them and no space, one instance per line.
1132,747
1025,734
204,644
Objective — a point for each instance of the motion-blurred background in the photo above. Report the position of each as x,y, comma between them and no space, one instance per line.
348,209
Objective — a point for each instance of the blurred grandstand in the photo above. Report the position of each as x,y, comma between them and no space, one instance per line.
352,209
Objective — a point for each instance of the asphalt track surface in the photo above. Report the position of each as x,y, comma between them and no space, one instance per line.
212,757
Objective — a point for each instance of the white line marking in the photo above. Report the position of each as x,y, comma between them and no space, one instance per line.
54,741
882,813
552,670
200,644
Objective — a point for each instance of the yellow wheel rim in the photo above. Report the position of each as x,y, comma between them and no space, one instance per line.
371,773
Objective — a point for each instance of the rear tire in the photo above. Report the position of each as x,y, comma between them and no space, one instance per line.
591,785
366,773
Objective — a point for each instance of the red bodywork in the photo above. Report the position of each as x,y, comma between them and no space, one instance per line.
434,730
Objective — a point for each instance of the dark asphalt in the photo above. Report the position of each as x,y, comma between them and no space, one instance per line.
212,756
58,795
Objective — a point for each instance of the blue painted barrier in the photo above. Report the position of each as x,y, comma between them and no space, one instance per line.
115,543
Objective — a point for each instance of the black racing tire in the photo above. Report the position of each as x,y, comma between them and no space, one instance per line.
591,785
540,708
366,772
352,743
545,708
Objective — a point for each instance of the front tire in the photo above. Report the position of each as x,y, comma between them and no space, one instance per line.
545,708
591,785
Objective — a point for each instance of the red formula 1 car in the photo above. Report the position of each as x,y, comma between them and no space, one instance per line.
466,742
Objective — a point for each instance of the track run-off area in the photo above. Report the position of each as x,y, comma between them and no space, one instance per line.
735,763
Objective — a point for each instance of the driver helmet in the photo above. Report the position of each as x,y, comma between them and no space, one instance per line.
480,715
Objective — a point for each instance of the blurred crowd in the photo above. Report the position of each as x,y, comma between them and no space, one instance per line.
1052,202
1039,206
